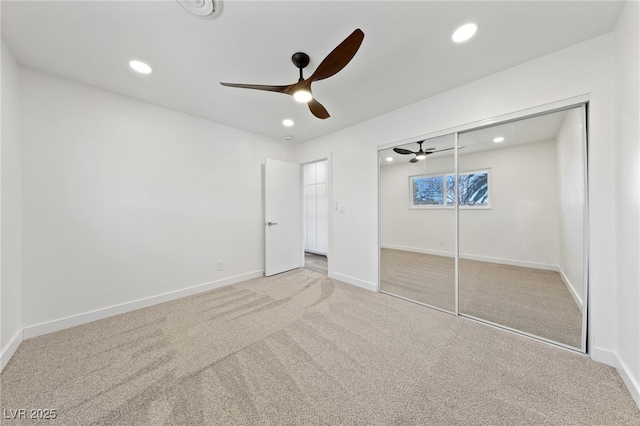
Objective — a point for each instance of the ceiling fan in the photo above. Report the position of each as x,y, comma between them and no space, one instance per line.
331,65
420,154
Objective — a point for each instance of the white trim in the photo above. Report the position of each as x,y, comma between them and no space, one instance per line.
417,250
11,348
527,112
488,259
354,281
512,262
628,379
572,291
87,317
524,333
604,356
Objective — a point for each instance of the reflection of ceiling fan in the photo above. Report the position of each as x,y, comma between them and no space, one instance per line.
301,91
420,154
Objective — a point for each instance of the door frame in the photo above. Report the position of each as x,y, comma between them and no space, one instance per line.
330,208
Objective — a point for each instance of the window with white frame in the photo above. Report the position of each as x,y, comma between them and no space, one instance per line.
438,190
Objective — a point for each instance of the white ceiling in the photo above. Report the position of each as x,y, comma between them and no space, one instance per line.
407,54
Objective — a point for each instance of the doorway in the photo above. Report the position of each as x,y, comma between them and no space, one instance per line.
315,215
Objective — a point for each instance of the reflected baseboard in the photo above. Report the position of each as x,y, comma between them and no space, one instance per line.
572,291
488,259
418,250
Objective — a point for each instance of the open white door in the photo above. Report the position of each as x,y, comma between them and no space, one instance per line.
283,226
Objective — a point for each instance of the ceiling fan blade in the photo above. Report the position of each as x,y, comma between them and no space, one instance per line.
413,160
339,57
317,109
446,149
403,151
279,89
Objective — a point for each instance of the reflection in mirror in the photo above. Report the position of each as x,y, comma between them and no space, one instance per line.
521,217
417,222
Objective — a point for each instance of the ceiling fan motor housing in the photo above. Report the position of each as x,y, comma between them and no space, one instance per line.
300,59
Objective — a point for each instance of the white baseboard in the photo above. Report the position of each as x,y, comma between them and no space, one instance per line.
488,259
87,317
10,349
612,359
572,291
354,281
604,356
631,382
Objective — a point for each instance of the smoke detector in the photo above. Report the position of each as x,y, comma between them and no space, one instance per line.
201,8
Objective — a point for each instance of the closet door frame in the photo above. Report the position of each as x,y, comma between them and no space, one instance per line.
565,104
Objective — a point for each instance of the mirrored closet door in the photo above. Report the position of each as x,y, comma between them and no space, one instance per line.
417,217
512,212
521,225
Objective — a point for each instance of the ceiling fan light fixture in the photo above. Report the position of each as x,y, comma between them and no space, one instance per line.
464,33
140,67
303,96
421,156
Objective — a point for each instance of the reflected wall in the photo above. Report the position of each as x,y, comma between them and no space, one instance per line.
514,249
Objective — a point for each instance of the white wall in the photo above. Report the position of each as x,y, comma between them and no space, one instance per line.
627,178
569,143
123,201
586,68
520,228
10,193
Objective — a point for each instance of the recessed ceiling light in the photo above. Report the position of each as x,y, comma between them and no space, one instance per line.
464,33
287,122
140,67
389,159
499,139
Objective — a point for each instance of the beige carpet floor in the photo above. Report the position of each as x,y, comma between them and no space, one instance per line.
301,349
531,300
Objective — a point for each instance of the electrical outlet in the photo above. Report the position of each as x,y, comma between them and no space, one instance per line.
219,265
